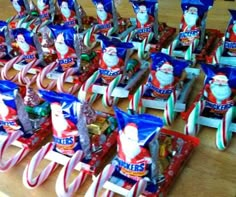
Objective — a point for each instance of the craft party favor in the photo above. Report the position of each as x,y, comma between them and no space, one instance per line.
167,87
20,125
82,140
215,104
71,65
225,51
192,33
148,159
117,75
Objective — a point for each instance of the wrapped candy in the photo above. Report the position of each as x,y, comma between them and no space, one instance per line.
138,147
166,74
5,42
113,58
13,116
219,88
193,20
230,38
146,17
69,123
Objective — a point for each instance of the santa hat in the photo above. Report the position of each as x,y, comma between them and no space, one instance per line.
220,79
104,4
100,6
142,8
60,38
131,132
111,50
166,67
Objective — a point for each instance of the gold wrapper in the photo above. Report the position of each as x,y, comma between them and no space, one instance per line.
99,126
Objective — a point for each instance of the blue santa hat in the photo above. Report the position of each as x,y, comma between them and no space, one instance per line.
227,70
148,125
21,3
3,25
28,35
151,5
107,4
158,59
71,4
7,87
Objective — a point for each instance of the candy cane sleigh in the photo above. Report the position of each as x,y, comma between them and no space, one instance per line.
195,117
76,162
113,181
176,102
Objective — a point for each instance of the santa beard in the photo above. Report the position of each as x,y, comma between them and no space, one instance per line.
142,18
220,92
17,7
234,29
130,148
24,46
164,78
40,5
190,19
65,12
61,48
110,60
102,15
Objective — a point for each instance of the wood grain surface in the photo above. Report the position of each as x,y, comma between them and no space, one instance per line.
209,172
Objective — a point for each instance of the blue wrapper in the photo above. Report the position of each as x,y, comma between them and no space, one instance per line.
46,9
220,86
230,35
137,134
69,123
165,74
22,7
5,43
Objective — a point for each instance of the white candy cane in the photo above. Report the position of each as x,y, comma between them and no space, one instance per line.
28,179
6,165
7,67
22,78
100,181
62,79
42,75
61,185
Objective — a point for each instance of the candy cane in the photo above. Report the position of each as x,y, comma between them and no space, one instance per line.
100,181
190,50
108,193
141,49
38,27
62,79
22,78
61,185
106,99
87,38
169,113
42,75
6,165
30,182
5,70
85,87
223,133
137,189
136,100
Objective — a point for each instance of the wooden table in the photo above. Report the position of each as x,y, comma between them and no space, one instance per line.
208,173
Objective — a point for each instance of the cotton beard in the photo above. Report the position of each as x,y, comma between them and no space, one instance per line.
110,60
234,28
190,19
142,18
131,148
164,78
62,48
24,46
65,12
220,92
102,15
59,122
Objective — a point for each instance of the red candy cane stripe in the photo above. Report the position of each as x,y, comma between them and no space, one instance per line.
42,75
28,180
100,181
8,66
62,79
6,165
61,185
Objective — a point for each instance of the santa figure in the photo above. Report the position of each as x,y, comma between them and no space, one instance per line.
62,127
43,9
112,62
218,90
143,18
18,7
67,13
190,19
129,149
103,17
25,48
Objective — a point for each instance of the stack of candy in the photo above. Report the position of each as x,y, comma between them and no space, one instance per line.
52,50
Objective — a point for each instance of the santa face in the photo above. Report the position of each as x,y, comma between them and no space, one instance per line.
165,75
129,140
58,120
60,45
101,13
16,5
234,28
110,57
65,9
24,46
220,91
191,16
41,5
142,15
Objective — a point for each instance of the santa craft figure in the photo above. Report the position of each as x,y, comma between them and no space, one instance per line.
230,36
190,19
68,12
44,9
20,7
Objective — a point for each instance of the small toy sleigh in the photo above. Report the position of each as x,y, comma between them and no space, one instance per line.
98,144
33,118
175,150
